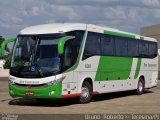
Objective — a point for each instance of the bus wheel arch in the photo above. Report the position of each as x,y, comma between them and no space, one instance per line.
89,80
140,85
86,91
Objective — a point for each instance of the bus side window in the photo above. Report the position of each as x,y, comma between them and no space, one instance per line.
133,47
92,46
107,45
121,46
143,49
152,49
68,55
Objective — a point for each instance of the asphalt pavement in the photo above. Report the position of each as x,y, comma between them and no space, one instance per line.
114,103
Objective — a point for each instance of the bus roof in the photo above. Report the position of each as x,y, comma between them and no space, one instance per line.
65,27
53,28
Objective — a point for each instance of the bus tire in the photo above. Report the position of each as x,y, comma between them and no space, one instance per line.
140,87
86,93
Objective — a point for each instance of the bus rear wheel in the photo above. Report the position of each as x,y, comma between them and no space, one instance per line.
86,93
140,87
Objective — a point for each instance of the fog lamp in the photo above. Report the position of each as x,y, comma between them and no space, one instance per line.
51,93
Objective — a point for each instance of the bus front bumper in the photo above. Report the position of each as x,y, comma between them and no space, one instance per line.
47,92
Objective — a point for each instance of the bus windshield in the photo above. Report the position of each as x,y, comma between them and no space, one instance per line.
36,56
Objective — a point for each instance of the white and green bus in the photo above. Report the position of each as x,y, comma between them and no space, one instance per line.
80,60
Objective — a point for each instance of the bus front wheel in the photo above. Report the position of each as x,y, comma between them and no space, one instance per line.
86,93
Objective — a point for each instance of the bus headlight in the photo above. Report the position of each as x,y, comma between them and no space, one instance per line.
54,82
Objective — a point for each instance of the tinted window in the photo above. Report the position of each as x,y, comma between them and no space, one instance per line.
121,46
152,49
75,44
133,48
68,54
71,49
92,46
107,45
143,49
45,51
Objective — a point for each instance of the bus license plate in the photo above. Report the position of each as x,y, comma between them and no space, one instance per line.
29,93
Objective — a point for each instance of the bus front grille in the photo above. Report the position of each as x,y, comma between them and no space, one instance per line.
30,85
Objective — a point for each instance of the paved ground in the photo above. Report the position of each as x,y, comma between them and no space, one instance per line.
123,102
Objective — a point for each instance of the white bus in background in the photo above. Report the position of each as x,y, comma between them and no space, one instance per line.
80,60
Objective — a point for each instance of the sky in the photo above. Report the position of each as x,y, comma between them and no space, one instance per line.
126,15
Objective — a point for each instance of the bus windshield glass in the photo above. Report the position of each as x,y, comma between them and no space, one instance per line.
36,56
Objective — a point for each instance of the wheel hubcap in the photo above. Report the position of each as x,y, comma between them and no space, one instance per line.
84,92
140,86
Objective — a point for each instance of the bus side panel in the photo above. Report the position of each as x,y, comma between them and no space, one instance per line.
115,73
149,69
87,69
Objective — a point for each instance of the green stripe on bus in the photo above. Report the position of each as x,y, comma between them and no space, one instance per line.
113,68
138,68
119,34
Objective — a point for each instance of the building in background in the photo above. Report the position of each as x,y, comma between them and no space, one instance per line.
154,32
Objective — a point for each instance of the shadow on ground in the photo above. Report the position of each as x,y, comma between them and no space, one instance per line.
70,101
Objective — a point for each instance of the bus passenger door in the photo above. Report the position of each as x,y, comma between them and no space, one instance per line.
90,59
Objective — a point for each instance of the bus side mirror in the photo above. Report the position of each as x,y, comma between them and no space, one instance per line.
62,42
